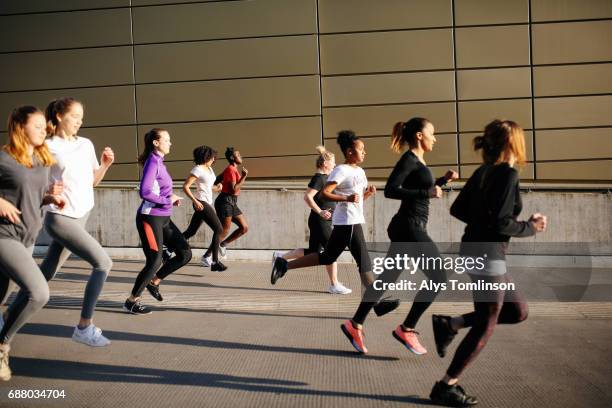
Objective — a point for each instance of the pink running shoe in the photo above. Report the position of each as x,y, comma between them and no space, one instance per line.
355,336
410,340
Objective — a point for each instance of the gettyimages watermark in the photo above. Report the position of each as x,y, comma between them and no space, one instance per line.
489,272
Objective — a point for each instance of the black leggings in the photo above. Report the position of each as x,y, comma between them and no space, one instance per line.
403,230
154,232
341,237
510,308
320,231
209,216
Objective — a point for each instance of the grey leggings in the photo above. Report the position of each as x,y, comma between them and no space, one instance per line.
69,236
18,266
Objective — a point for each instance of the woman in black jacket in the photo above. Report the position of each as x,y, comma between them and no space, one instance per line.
489,204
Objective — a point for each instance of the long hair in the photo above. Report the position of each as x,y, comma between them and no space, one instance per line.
324,155
18,143
405,133
59,106
500,138
149,138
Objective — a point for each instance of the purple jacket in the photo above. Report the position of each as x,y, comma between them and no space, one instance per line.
155,187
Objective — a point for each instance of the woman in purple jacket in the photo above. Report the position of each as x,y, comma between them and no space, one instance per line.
153,222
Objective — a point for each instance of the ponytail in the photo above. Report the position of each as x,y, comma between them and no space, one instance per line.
149,147
405,133
57,107
324,155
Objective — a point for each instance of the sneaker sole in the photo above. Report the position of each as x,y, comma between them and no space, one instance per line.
398,338
89,344
348,336
136,314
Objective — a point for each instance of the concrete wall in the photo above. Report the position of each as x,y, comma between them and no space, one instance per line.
278,219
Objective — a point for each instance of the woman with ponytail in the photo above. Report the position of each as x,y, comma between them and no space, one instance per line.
24,181
489,204
79,171
153,222
411,182
319,220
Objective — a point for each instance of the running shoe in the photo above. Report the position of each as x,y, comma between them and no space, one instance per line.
5,370
339,289
91,335
278,270
206,260
154,291
355,336
166,255
218,267
385,306
276,254
136,308
451,395
443,333
409,339
222,252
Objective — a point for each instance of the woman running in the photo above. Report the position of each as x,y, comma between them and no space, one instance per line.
77,168
204,177
226,204
319,220
347,184
411,182
489,204
24,179
153,222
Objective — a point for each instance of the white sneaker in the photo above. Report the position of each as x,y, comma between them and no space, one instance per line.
276,254
91,335
339,289
222,252
206,261
5,370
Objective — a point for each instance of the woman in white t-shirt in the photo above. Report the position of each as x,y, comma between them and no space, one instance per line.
348,185
204,178
77,168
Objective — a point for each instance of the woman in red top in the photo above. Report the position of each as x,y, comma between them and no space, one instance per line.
226,204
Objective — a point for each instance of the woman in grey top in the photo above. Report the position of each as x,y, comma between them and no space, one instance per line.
24,178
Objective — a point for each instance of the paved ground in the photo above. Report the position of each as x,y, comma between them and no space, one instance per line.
232,340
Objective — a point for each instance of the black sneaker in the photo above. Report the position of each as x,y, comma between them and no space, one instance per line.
443,333
385,306
451,395
279,269
218,267
166,255
135,308
154,291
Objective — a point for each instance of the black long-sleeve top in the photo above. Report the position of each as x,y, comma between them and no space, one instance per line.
410,181
489,204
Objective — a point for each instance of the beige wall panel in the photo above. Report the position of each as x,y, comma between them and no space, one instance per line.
494,83
383,174
525,174
161,2
572,42
122,139
66,69
103,106
388,51
263,137
367,15
3,138
492,46
280,167
379,154
574,144
236,99
572,80
571,112
474,12
32,6
227,59
474,116
123,172
468,155
232,19
65,30
583,170
553,10
388,88
379,120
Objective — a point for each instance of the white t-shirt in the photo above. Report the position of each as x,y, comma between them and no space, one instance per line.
206,180
76,162
350,180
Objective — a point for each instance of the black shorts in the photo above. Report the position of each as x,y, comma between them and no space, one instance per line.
226,205
320,231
